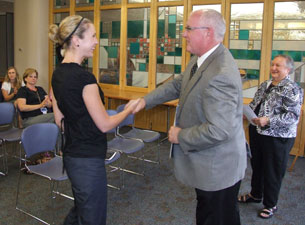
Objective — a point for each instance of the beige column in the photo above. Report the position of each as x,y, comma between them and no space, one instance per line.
31,38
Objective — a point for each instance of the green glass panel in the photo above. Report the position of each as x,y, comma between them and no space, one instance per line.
105,35
134,48
177,69
148,28
135,29
171,53
295,55
255,72
161,28
162,49
178,51
58,2
142,66
91,1
252,76
172,19
116,29
244,35
160,59
112,51
172,30
246,54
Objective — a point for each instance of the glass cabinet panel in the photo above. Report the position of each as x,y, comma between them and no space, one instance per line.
58,17
110,2
80,3
109,58
289,35
169,46
137,47
245,43
87,63
138,1
216,7
61,4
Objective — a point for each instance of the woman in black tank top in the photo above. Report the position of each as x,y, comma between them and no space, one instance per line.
78,100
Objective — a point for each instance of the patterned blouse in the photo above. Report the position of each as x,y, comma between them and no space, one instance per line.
282,104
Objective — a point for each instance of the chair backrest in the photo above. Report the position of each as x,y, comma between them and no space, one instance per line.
7,111
40,137
111,112
129,120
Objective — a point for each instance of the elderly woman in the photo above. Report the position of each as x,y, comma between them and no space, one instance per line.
277,103
33,102
11,84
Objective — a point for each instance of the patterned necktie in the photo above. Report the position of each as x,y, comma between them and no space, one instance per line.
193,70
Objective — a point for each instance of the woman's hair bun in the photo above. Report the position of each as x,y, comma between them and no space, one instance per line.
53,33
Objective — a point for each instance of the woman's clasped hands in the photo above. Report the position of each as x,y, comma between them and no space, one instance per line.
46,102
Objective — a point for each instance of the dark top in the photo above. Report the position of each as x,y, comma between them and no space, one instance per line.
82,137
32,98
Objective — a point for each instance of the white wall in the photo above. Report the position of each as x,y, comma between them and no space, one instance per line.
31,38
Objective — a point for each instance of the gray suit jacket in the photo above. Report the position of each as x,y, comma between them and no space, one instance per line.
211,154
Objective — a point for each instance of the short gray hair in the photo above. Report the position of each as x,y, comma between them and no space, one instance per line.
214,19
289,62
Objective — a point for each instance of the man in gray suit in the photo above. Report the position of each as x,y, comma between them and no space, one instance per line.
209,144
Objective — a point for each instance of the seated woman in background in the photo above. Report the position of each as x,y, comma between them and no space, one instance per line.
33,102
10,85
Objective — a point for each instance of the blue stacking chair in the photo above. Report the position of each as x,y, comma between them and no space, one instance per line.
8,133
126,146
39,138
147,136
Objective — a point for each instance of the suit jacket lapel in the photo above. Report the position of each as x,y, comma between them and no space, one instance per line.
189,84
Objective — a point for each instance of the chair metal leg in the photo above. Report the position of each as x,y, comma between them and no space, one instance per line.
3,156
5,166
158,154
122,175
113,169
150,160
131,171
53,197
164,139
55,191
22,210
18,184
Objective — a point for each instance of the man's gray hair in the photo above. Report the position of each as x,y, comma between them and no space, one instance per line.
214,19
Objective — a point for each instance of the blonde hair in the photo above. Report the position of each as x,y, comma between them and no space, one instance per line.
71,25
28,72
17,82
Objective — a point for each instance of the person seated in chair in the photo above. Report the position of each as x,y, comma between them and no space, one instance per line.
11,85
33,102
